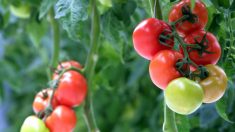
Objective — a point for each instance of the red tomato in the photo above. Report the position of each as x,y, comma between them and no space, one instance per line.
72,89
213,47
41,100
162,67
67,64
62,119
186,27
146,37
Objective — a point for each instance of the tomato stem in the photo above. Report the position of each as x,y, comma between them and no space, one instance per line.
169,124
155,9
56,40
90,67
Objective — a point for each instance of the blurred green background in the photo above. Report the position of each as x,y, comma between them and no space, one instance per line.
124,98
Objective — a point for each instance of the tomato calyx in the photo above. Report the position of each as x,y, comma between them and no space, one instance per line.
186,11
166,37
202,46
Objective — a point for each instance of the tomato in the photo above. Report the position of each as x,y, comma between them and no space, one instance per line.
42,99
183,96
21,11
146,37
213,48
66,65
72,89
62,119
162,67
33,124
187,26
214,85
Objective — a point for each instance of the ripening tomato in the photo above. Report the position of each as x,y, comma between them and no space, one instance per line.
146,37
197,21
162,67
42,99
21,11
62,119
214,85
72,89
183,96
33,124
211,46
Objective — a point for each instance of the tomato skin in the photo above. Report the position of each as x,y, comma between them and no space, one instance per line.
187,27
62,119
33,124
183,96
213,46
72,89
42,99
162,67
214,85
146,37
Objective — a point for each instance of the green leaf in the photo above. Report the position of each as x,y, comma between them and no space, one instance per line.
1,21
45,7
232,7
36,32
182,123
73,15
222,104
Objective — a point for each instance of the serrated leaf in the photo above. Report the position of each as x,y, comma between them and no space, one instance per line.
182,123
45,7
72,14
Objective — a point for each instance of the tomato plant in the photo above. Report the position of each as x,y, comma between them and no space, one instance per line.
41,100
196,20
214,85
162,71
62,119
146,37
209,52
183,96
72,89
33,124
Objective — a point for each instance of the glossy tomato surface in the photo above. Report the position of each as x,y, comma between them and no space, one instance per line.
183,96
186,27
213,47
33,124
72,89
42,99
62,119
214,85
146,37
162,67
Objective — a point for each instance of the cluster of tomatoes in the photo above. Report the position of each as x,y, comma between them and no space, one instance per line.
189,76
54,106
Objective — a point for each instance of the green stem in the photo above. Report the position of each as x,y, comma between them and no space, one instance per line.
56,40
228,22
169,124
156,9
90,66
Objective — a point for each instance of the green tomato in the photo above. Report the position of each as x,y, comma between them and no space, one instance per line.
33,124
21,11
183,96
